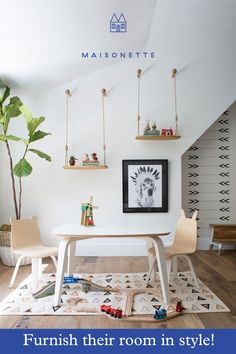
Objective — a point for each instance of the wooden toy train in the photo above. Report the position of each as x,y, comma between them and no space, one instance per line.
117,313
161,314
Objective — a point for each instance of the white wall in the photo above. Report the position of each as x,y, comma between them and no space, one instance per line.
55,194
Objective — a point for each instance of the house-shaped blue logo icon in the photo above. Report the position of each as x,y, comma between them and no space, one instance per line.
118,24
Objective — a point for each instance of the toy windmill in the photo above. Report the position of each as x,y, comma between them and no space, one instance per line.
87,213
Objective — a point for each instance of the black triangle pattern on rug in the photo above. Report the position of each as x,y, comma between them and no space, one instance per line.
106,301
24,287
157,307
200,298
55,308
73,298
207,306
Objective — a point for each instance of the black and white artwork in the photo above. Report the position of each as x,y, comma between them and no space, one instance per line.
145,186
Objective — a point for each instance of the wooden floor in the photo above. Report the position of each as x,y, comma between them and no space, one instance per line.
217,272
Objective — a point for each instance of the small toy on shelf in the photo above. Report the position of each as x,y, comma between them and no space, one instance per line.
151,131
94,157
93,162
154,130
167,132
72,160
147,128
160,314
87,213
86,157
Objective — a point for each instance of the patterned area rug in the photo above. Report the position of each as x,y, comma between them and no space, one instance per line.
75,301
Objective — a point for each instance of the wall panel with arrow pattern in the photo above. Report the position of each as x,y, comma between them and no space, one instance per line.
206,171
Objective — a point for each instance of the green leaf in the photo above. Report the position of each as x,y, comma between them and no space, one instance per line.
34,123
27,114
12,137
3,137
22,168
41,154
12,110
6,94
38,135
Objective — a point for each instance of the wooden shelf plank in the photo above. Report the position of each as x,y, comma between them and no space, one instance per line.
157,137
76,167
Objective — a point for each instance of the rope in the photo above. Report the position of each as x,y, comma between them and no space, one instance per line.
103,129
138,117
175,101
67,92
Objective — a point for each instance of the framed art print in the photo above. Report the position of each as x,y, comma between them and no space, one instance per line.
145,186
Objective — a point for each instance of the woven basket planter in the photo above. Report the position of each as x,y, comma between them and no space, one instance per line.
8,257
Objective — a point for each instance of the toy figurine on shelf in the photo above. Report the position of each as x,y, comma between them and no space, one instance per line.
167,131
154,130
93,162
94,157
147,128
151,131
87,213
86,157
72,160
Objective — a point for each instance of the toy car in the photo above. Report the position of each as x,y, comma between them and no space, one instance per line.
179,307
70,279
160,314
117,313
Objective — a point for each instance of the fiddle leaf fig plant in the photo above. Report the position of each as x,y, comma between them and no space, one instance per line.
12,108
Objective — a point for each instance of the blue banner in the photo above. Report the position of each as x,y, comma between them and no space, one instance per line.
117,341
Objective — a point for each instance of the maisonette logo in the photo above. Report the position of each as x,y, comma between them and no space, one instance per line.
118,24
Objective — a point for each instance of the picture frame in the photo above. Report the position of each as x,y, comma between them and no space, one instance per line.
145,186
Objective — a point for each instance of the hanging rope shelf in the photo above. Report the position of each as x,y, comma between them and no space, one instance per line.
151,132
90,165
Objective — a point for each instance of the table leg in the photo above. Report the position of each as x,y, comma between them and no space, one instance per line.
62,254
160,253
71,258
152,269
35,274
